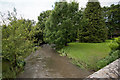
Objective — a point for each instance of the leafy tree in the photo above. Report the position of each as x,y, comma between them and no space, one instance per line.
75,16
94,29
112,18
80,24
16,43
59,28
41,23
36,35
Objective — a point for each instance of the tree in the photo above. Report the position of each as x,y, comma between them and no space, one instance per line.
16,43
75,17
41,23
112,18
36,35
59,28
79,24
94,30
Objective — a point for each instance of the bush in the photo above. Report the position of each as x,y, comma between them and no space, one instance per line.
114,45
16,44
113,55
102,63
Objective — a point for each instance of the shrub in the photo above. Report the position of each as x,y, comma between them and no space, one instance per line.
16,44
114,45
113,55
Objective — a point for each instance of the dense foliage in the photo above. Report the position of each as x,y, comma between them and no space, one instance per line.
65,23
113,55
17,43
112,19
94,29
42,18
60,27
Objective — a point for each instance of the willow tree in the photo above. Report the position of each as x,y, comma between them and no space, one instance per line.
94,30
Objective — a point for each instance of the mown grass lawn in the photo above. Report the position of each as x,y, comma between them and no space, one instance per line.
87,54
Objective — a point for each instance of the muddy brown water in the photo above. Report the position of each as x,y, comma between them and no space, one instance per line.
46,63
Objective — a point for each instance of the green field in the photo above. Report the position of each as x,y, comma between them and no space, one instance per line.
86,55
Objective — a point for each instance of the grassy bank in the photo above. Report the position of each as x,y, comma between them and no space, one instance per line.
85,55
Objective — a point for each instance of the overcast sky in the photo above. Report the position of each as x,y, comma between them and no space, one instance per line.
30,9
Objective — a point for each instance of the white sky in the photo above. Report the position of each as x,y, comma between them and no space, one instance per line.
30,9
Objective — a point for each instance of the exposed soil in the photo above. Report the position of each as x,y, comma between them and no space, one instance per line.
46,63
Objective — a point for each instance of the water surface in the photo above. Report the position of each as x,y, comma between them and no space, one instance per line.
46,63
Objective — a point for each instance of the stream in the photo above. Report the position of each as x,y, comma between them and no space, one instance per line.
46,63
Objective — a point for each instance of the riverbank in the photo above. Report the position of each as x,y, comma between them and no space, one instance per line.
86,55
46,63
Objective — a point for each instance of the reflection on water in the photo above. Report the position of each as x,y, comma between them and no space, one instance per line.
46,63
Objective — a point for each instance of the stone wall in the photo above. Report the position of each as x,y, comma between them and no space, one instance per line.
110,71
